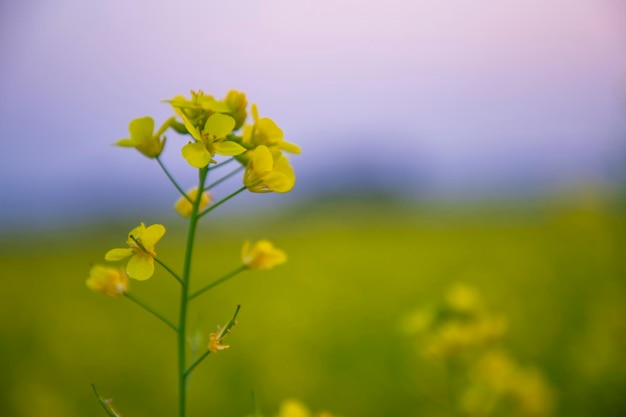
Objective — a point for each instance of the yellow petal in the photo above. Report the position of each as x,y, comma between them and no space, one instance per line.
278,182
141,128
228,148
262,160
255,112
152,235
196,154
127,143
136,232
140,266
190,127
289,147
118,254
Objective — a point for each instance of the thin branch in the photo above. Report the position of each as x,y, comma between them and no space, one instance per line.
217,282
151,311
180,190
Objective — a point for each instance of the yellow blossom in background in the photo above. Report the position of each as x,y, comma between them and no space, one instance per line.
142,137
293,408
266,172
108,280
184,206
464,299
266,132
262,255
141,241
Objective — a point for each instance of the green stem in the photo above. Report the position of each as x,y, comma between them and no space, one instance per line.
168,269
222,201
224,178
222,334
106,404
218,282
184,294
180,190
197,362
150,310
222,163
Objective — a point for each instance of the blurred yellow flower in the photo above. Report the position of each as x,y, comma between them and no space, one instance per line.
141,241
108,280
184,207
266,172
142,137
262,255
293,408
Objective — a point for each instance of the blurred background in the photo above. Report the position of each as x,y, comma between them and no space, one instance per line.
481,142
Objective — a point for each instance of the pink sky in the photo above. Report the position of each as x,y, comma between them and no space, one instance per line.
463,85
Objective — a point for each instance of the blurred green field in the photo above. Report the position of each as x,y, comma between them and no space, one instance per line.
325,327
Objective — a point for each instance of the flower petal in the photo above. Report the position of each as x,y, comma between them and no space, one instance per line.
141,128
289,147
278,182
262,161
152,235
190,127
228,148
140,267
118,254
127,143
196,154
219,125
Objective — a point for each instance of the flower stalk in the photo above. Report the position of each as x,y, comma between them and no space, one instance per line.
211,126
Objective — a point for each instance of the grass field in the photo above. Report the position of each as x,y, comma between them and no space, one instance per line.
326,327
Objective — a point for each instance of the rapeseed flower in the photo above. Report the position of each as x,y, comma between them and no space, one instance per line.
211,141
207,122
266,132
262,255
183,206
266,172
142,137
108,280
141,241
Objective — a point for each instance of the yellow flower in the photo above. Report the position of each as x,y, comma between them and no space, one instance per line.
142,137
208,126
262,255
107,280
266,172
266,132
141,241
184,207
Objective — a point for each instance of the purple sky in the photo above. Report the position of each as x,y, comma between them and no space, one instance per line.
466,94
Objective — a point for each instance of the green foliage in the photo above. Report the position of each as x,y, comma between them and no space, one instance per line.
326,326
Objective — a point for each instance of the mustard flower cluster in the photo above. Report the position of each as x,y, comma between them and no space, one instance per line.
217,132
464,334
